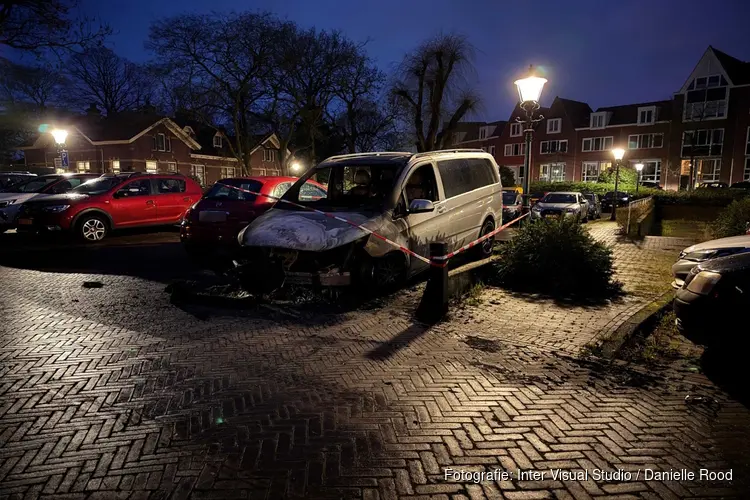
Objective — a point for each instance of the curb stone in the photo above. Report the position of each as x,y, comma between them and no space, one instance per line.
606,346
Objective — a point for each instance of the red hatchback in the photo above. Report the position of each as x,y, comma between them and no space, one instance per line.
210,228
112,202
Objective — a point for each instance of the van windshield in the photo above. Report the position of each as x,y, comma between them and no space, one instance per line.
348,187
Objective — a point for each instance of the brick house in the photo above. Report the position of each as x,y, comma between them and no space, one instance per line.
642,130
707,120
144,142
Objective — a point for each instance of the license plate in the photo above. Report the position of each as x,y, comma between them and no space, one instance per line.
551,216
25,222
212,216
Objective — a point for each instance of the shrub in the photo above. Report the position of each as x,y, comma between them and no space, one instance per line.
558,258
732,221
589,187
628,175
700,197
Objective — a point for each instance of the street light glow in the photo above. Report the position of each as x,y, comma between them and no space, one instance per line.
60,135
618,153
639,166
530,87
295,166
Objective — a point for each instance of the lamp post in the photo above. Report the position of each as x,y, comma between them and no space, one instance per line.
618,153
639,169
60,135
295,167
529,92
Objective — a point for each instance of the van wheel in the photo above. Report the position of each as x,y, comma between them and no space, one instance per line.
92,228
378,274
484,249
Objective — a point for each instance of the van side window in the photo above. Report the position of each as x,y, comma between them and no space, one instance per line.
463,175
421,185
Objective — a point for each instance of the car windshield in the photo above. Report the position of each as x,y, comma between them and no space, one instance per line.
35,185
348,187
590,197
611,195
97,186
509,198
234,190
559,198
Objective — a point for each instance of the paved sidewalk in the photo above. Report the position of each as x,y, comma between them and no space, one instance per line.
642,267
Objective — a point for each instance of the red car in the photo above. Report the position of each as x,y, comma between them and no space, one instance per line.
209,230
110,202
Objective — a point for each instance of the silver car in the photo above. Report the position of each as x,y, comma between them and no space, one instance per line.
568,204
695,254
410,199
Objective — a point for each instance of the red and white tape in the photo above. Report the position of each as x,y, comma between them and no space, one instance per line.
440,261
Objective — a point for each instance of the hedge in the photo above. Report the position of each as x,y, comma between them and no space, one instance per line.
700,197
733,220
589,187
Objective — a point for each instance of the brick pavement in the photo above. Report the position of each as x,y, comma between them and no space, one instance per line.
113,392
643,268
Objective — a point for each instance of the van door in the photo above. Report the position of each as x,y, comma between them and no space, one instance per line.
427,227
472,193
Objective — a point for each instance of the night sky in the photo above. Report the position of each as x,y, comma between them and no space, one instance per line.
604,52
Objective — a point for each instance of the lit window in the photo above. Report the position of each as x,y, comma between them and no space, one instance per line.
516,129
84,166
115,166
554,125
552,172
227,172
651,170
151,167
172,167
199,173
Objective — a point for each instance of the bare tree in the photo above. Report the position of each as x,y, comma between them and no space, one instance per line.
35,25
111,82
221,63
38,86
433,91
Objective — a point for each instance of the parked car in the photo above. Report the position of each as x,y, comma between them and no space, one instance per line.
652,185
561,204
712,305
93,209
713,185
741,185
595,205
7,179
535,197
622,199
512,205
411,199
210,227
696,254
35,187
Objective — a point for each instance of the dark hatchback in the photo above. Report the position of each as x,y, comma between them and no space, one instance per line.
712,304
512,205
622,199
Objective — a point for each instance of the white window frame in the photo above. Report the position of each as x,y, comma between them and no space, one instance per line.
492,150
603,139
269,155
161,142
719,107
585,177
549,168
482,133
747,142
595,118
554,125
199,171
557,151
746,173
217,141
227,172
645,109
520,146
115,166
709,144
168,143
650,141
172,167
152,167
649,177
83,166
516,129
715,174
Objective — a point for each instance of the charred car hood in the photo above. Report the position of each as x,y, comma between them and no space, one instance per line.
306,231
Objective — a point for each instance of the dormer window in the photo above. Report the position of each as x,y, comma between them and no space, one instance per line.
217,141
554,125
515,129
598,120
646,115
482,133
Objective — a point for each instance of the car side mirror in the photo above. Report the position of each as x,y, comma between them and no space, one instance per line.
122,193
420,206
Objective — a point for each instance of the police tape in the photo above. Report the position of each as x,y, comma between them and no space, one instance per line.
440,261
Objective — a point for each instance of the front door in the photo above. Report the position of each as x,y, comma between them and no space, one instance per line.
134,204
423,228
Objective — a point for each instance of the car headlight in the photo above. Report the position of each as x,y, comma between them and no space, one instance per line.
703,282
5,203
699,255
56,209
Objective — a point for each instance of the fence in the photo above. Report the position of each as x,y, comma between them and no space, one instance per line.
635,218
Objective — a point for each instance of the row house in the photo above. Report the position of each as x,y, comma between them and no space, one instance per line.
144,142
705,124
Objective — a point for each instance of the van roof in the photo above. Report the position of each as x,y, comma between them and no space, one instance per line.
393,157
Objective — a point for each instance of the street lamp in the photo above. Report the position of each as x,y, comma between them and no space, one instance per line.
529,92
60,135
639,168
295,167
618,153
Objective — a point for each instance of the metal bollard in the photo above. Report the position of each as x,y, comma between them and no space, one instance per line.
434,304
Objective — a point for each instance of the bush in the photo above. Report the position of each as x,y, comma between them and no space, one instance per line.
700,197
589,187
628,175
733,221
558,258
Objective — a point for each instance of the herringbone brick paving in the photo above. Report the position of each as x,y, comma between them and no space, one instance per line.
113,392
